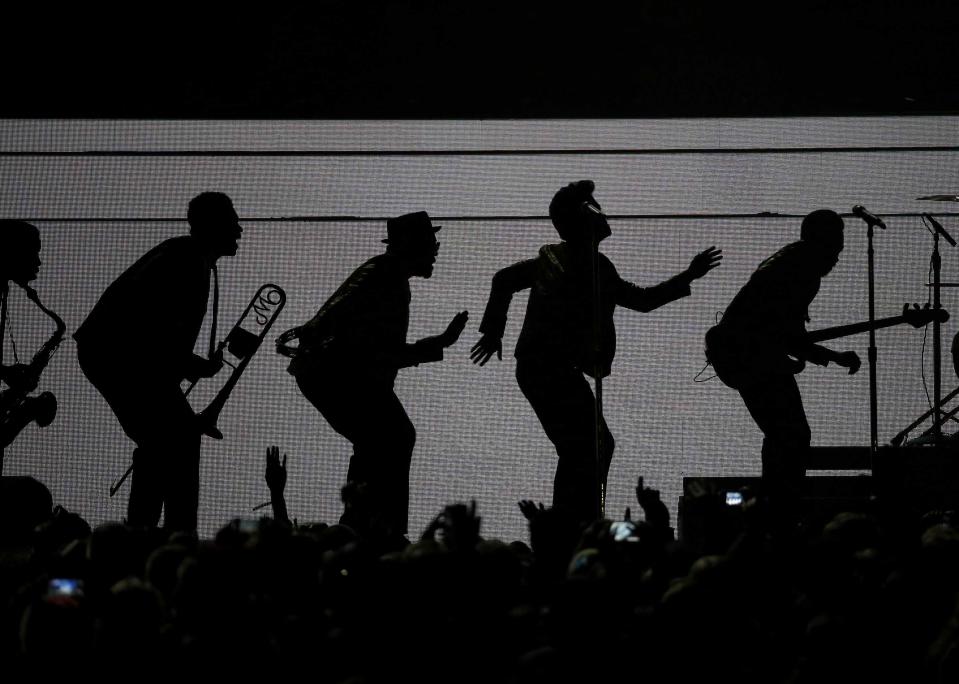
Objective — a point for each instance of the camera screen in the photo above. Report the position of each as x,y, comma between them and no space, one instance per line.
65,587
623,531
734,499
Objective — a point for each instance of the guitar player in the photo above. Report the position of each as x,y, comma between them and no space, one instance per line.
765,326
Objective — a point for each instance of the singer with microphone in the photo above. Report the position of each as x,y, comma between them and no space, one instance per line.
568,334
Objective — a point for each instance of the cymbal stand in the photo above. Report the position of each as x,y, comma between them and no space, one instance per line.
936,411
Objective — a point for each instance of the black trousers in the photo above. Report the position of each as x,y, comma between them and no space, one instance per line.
564,403
368,413
153,413
776,405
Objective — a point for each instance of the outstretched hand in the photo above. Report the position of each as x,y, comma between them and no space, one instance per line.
275,471
483,350
453,330
704,262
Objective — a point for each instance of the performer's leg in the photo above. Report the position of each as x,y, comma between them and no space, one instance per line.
776,406
564,403
372,418
146,492
182,488
387,454
166,469
153,413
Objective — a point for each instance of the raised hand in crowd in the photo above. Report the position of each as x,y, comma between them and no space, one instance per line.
275,476
655,511
530,509
457,527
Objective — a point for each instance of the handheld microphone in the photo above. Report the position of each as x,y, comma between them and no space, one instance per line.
870,219
939,229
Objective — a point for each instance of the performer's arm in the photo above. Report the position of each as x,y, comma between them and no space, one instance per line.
822,356
649,298
431,348
506,282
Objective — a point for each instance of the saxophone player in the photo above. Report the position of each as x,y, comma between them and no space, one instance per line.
160,302
20,264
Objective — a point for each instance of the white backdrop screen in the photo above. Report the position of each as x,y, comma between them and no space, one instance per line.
313,196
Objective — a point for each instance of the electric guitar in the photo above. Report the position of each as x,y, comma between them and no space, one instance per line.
740,356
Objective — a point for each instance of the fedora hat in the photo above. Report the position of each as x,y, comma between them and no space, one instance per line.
410,229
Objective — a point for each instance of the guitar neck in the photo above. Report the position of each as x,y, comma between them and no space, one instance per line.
825,334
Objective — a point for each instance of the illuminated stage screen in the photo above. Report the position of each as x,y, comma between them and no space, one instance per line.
313,197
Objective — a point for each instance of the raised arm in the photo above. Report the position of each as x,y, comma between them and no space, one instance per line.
276,480
506,282
649,298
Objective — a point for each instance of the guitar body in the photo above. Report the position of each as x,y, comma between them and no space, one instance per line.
741,358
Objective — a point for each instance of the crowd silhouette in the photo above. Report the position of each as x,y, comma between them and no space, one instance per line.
868,595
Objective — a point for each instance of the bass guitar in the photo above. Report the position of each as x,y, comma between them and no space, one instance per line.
740,356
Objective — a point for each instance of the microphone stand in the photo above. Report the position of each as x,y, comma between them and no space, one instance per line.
599,481
936,345
938,418
873,353
4,293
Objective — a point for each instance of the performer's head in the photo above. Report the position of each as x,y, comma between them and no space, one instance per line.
823,230
412,238
19,251
576,214
213,221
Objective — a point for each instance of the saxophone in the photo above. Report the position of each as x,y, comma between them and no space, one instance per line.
17,408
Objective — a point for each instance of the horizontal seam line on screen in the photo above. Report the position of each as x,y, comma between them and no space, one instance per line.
473,153
480,219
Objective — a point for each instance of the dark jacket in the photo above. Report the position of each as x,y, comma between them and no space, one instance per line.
361,329
154,309
559,321
773,306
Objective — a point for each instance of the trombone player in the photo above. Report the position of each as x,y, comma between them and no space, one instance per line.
154,311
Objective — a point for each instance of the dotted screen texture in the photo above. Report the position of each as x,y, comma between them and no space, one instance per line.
476,435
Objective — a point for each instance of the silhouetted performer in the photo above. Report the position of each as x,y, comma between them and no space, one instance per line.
20,264
565,335
136,346
759,345
349,354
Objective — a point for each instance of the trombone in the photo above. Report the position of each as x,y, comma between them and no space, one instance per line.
242,342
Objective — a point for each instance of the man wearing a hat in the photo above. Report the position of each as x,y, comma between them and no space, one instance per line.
349,354
568,332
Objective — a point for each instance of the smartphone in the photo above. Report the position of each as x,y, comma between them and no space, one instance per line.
734,498
623,531
64,586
